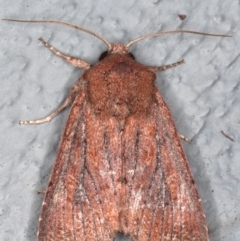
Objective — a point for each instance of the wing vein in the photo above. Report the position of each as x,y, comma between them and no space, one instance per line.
99,199
108,158
158,168
145,201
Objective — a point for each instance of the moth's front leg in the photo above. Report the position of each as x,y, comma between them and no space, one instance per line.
76,62
68,101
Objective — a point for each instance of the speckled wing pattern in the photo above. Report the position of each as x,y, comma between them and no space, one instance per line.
108,179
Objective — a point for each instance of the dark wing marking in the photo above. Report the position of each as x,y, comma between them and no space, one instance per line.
161,201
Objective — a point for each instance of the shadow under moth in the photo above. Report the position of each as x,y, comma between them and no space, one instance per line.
120,165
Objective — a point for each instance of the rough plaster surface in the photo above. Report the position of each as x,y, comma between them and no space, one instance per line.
203,95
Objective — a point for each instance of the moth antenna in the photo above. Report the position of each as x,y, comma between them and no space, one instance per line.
66,24
151,35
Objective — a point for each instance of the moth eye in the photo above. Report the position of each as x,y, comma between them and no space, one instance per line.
103,55
131,55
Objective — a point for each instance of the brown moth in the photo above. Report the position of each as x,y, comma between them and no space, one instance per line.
120,165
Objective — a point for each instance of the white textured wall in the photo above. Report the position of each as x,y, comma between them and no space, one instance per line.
203,95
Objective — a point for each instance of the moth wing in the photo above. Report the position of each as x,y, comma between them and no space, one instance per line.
80,202
137,181
162,201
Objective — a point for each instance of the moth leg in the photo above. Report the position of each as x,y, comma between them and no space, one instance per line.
41,192
68,101
162,68
72,60
185,138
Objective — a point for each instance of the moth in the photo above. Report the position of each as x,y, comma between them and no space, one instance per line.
120,165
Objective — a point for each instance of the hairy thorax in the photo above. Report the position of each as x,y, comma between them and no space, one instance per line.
119,86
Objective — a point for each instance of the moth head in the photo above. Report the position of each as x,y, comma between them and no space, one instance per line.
116,48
